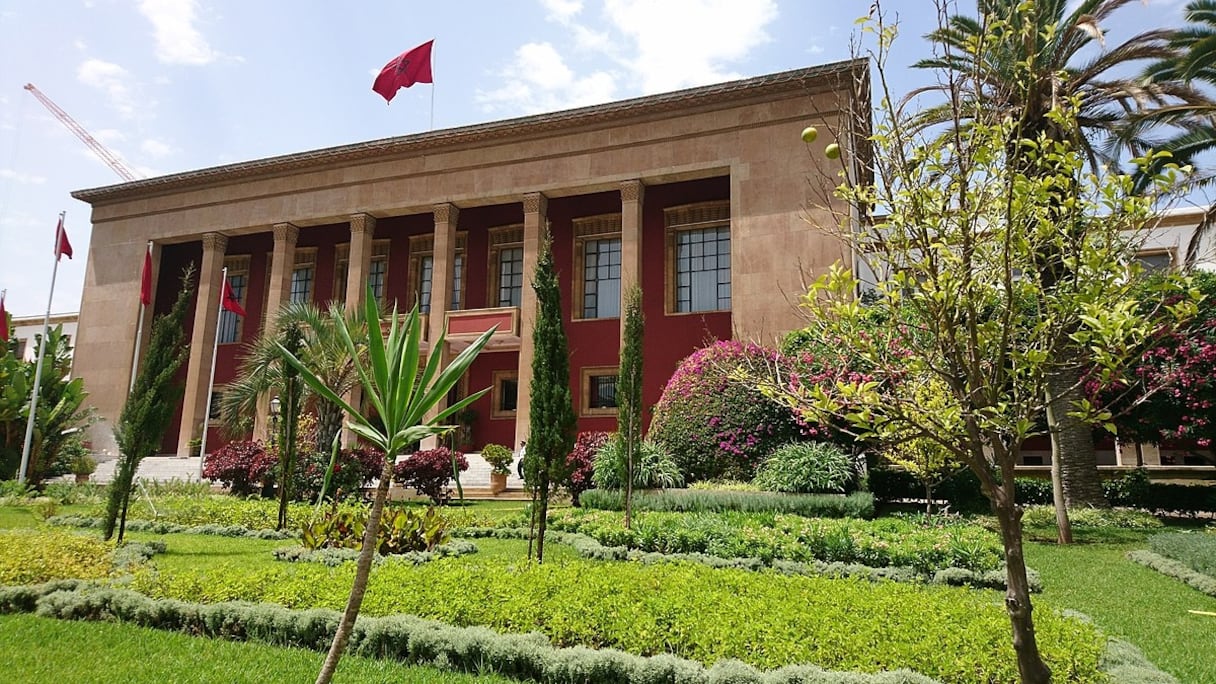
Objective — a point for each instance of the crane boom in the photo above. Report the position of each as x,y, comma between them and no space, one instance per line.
100,150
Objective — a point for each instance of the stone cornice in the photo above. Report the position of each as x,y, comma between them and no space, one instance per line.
286,232
215,242
827,77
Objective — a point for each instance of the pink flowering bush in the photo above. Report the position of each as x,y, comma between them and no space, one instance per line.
580,462
716,427
241,466
429,471
354,469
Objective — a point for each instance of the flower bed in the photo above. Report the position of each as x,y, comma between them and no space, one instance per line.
856,505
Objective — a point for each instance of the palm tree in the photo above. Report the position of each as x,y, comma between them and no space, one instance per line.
1031,59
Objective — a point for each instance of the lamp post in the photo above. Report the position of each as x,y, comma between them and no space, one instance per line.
275,407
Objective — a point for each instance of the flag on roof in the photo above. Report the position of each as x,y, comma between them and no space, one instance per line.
409,67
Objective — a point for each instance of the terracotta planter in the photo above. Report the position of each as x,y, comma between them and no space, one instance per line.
498,483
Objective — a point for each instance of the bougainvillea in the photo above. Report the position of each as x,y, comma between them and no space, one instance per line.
581,461
429,471
715,426
240,466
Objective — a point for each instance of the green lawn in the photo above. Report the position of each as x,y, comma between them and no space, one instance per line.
42,650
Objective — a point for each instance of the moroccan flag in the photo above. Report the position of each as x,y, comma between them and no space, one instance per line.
62,246
410,67
145,280
231,303
3,321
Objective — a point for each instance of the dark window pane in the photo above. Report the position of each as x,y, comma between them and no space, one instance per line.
510,276
301,284
602,392
508,389
229,322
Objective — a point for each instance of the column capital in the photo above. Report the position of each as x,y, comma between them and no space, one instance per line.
362,223
632,190
215,242
286,232
445,212
535,202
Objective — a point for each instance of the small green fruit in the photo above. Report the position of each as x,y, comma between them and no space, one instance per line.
832,151
809,134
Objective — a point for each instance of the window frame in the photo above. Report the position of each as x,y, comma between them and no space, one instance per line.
502,238
236,265
687,218
586,410
496,394
380,253
590,229
422,246
1140,255
305,257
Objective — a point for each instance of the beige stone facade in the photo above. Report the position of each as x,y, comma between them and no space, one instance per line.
743,134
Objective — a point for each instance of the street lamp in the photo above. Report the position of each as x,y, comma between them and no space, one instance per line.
275,407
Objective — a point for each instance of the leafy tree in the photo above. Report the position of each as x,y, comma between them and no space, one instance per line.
629,393
1021,60
928,461
149,408
551,408
963,226
61,417
401,393
15,376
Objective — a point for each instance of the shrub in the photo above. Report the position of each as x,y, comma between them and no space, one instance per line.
1114,518
32,557
354,469
240,466
715,427
401,530
499,457
1197,551
429,471
807,468
655,470
156,527
725,486
580,463
855,505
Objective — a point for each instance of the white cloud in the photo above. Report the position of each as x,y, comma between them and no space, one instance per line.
19,177
80,45
562,10
156,148
109,135
112,79
177,40
539,80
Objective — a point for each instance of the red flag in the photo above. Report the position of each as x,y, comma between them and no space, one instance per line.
3,321
231,303
145,280
62,246
410,67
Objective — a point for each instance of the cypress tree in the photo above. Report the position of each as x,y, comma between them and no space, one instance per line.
150,406
629,393
551,432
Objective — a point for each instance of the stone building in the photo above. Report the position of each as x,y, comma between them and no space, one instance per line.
706,197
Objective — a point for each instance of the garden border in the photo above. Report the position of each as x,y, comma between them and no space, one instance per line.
1176,569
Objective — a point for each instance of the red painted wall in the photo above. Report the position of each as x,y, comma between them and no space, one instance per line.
488,430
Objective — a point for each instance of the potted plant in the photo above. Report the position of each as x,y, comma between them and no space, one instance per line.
82,467
500,458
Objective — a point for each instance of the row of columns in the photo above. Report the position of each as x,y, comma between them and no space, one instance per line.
362,229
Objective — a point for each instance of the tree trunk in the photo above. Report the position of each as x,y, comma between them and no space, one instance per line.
928,498
1017,597
543,516
532,524
1056,406
362,572
122,517
1074,441
629,442
329,423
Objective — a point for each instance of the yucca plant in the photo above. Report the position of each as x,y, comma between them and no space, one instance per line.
401,395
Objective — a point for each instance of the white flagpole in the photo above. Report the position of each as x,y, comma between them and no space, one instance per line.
139,329
46,324
432,87
202,447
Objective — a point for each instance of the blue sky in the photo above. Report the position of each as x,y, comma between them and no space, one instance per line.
174,85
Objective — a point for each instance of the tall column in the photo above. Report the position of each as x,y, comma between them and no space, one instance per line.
443,277
359,262
362,229
206,318
632,192
278,292
536,210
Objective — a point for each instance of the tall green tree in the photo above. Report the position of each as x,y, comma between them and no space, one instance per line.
551,408
1021,59
401,392
149,408
629,393
292,340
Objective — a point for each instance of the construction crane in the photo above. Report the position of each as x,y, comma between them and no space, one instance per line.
100,150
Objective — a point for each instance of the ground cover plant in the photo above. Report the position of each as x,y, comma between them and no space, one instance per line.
856,505
928,547
689,610
1197,550
32,556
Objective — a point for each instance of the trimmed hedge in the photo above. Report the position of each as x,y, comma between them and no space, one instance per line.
333,557
588,547
1098,518
1176,569
765,619
413,640
856,505
173,528
876,543
1197,550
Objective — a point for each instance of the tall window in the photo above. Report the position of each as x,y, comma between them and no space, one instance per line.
375,278
602,278
422,273
699,257
301,284
229,331
377,270
510,276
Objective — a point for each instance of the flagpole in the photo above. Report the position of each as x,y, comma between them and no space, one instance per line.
139,328
215,345
46,324
432,88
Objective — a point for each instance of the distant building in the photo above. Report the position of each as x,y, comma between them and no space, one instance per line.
27,328
702,196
